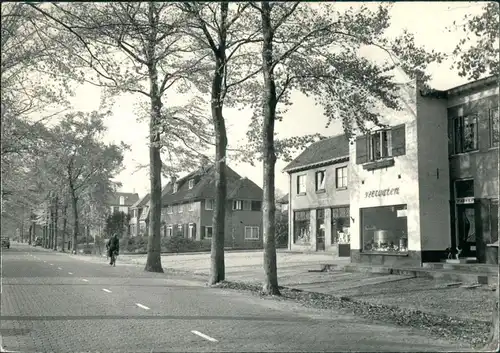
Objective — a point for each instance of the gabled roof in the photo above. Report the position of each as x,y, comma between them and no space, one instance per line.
204,187
142,202
129,198
330,150
283,200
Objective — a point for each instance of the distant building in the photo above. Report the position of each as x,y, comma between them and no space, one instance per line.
121,201
426,182
139,213
188,206
282,203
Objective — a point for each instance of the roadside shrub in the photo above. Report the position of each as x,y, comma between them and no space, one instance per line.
179,243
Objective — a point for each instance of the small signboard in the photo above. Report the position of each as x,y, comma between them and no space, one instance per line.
464,200
402,213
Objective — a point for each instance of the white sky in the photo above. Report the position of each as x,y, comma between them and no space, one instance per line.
427,20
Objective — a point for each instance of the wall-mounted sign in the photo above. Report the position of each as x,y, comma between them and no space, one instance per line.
382,192
464,200
402,213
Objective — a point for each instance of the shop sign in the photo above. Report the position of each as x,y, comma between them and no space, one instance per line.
402,213
382,192
464,200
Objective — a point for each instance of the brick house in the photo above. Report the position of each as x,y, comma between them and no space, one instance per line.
121,201
188,202
138,216
319,196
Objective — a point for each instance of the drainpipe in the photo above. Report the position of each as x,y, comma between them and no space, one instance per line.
290,213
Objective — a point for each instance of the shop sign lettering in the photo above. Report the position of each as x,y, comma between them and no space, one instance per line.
382,192
464,200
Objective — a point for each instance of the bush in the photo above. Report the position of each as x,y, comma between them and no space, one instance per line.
181,244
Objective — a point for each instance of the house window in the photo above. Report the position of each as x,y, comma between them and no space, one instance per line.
341,177
191,206
494,127
465,133
209,204
301,184
256,205
301,227
191,183
381,144
116,209
494,221
170,210
384,229
247,205
251,233
122,200
192,231
237,205
320,180
179,230
169,231
175,188
208,232
181,208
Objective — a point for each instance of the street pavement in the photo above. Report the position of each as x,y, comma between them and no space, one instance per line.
53,302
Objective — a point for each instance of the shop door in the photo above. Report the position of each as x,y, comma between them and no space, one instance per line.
320,238
466,230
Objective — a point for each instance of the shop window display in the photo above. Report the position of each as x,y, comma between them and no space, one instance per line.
340,226
302,227
385,229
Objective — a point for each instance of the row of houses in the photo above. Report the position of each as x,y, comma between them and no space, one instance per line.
188,204
404,193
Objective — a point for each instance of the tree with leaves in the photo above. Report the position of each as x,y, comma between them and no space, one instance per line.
223,31
483,56
130,48
315,50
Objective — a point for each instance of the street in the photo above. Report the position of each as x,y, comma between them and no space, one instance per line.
52,302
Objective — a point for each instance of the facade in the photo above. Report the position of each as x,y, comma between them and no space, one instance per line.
425,182
187,208
319,196
282,203
138,216
122,201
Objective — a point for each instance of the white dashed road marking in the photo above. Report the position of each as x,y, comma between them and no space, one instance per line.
85,280
70,273
51,264
106,290
59,268
142,306
208,338
44,261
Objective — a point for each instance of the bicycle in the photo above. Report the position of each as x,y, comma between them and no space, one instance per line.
114,255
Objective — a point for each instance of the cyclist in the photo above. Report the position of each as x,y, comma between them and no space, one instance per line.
113,247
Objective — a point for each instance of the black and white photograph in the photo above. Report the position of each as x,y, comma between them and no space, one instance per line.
233,176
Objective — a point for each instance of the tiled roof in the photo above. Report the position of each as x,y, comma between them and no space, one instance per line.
328,149
204,187
142,202
283,199
129,199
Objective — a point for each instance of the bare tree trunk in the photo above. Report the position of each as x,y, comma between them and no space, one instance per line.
153,262
217,265
269,210
33,234
74,201
56,214
65,219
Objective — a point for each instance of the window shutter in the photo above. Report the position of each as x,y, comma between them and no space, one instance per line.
398,140
194,231
361,149
202,232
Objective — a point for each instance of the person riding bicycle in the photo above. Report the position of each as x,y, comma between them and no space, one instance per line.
113,247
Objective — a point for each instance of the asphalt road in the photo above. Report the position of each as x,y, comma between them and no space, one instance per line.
52,302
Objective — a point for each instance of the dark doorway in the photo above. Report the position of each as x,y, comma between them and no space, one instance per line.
320,230
466,230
